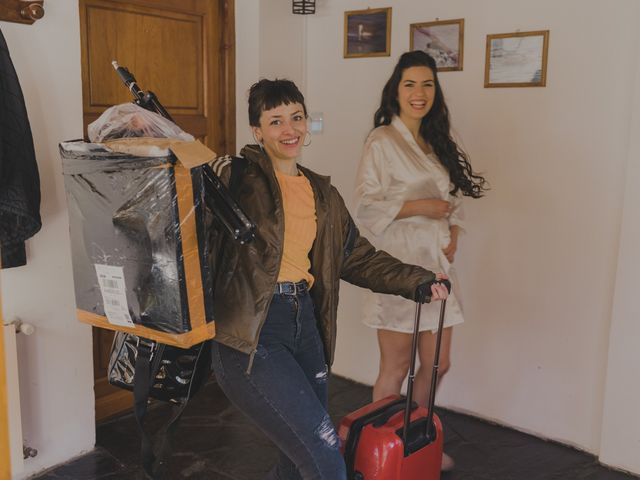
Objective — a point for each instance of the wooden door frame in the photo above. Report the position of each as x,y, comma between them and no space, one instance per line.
5,446
228,74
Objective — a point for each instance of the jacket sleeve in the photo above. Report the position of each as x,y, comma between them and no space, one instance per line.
366,267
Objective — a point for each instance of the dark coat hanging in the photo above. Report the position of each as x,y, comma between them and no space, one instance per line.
19,179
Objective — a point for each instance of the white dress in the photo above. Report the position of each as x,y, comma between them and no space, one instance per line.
394,169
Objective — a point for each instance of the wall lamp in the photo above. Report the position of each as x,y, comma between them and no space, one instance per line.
304,7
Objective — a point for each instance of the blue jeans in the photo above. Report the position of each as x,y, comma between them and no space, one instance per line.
285,393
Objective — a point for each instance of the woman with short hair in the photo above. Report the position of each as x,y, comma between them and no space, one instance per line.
275,299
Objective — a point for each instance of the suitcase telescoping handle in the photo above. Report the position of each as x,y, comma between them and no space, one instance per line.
412,368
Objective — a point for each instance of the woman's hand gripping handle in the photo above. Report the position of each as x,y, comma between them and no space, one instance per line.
437,289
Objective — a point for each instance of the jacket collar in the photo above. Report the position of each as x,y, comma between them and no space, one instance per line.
255,153
321,184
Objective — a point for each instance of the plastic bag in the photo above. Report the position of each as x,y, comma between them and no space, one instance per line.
130,120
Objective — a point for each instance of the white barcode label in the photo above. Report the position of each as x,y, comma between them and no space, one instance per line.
114,294
108,283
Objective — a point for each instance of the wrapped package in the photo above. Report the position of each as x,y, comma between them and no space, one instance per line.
129,120
138,227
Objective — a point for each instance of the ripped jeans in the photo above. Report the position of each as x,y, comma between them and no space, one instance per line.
285,393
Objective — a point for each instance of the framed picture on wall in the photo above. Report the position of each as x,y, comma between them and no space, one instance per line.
443,40
367,33
517,59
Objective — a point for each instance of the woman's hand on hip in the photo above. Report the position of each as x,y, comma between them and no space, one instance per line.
450,250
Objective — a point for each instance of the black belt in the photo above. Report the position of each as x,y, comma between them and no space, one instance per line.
291,288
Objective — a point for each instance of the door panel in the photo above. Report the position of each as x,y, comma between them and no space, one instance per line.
167,56
183,51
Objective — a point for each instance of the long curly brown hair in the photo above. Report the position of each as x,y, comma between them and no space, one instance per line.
434,128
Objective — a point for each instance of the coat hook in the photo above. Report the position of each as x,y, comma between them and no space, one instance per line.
32,11
21,11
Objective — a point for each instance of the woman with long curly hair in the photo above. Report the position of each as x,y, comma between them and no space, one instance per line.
409,190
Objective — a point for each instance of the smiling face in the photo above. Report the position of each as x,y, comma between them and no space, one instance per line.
416,93
282,131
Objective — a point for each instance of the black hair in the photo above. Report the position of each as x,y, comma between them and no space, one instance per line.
267,94
435,126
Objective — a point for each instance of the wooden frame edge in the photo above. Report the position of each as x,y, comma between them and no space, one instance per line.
182,340
228,73
5,441
545,56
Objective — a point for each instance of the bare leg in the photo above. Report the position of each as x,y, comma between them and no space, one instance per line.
426,352
422,385
395,350
395,353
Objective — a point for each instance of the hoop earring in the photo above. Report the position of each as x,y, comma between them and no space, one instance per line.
305,144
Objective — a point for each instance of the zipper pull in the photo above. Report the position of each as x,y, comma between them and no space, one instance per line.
251,357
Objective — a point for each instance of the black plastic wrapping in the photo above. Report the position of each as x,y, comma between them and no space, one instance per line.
123,212
177,373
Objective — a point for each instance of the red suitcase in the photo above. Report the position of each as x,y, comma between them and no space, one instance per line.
393,438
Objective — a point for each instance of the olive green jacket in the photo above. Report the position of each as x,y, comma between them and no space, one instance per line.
245,275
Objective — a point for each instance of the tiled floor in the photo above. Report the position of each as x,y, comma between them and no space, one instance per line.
215,442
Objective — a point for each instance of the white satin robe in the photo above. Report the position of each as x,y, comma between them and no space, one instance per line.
394,169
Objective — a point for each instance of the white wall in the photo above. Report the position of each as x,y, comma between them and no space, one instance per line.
56,361
538,264
248,26
620,430
270,44
282,41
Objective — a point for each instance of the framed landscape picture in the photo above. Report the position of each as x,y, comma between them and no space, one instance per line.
367,33
443,40
517,59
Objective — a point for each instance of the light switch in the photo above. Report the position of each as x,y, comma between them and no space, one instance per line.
315,122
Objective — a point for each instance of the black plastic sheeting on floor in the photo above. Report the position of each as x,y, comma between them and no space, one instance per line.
216,442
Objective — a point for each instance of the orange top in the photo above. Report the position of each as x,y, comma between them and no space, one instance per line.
300,227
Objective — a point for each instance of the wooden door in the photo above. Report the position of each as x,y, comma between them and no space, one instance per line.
183,51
